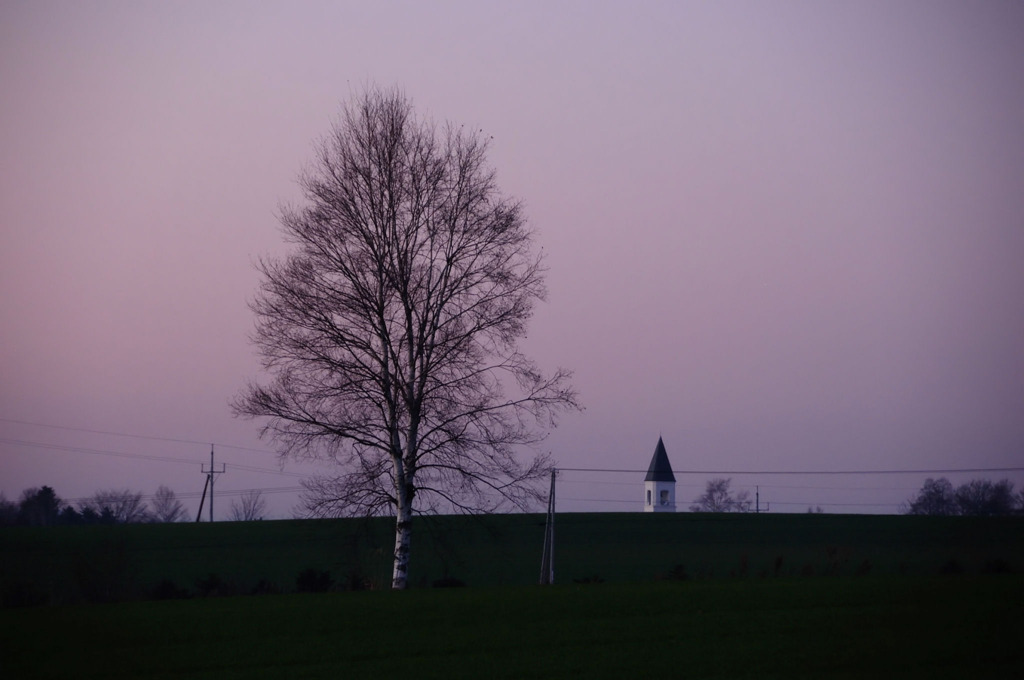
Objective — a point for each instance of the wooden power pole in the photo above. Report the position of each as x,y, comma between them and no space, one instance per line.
547,561
209,484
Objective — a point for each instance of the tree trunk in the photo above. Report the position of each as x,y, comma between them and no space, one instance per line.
403,534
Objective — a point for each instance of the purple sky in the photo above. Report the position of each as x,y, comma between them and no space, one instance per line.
783,235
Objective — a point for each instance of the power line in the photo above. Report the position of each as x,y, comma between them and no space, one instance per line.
827,504
129,435
98,452
192,495
122,454
805,472
602,500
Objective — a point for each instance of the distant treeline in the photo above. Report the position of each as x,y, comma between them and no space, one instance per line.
41,506
976,498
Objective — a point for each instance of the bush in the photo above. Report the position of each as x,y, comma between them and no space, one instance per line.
313,581
355,579
213,586
448,582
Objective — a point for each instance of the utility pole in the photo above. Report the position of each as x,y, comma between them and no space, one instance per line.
757,501
547,560
209,482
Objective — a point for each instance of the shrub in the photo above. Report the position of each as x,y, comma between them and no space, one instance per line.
313,581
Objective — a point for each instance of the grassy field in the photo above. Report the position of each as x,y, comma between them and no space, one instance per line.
56,565
829,627
683,595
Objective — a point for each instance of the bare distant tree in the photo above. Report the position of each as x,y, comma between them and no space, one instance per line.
981,497
123,505
936,497
718,498
166,507
392,329
250,506
978,497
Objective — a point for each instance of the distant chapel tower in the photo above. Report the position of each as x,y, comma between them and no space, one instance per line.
660,483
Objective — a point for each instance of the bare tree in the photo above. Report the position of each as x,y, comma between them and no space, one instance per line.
936,497
250,506
391,331
718,498
978,497
981,497
122,505
166,507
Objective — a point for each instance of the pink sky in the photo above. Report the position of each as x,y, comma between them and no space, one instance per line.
782,235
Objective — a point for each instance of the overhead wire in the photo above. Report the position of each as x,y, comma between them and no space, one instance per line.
112,433
281,472
124,454
806,472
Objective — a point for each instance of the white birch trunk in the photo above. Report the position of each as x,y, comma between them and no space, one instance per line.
403,534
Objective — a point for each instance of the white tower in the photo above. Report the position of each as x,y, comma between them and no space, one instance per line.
660,483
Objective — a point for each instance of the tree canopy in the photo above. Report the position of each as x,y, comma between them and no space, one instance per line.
390,332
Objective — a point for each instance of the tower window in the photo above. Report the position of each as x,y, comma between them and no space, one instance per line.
664,496
648,497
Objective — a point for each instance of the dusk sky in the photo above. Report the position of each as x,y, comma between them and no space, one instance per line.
784,236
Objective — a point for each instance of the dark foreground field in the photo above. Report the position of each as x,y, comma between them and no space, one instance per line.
68,565
791,627
686,595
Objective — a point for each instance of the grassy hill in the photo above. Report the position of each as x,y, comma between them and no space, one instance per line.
96,563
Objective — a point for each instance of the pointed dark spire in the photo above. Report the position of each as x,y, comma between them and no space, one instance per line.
660,469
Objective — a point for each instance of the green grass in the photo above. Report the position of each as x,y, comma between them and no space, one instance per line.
766,596
839,627
60,565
